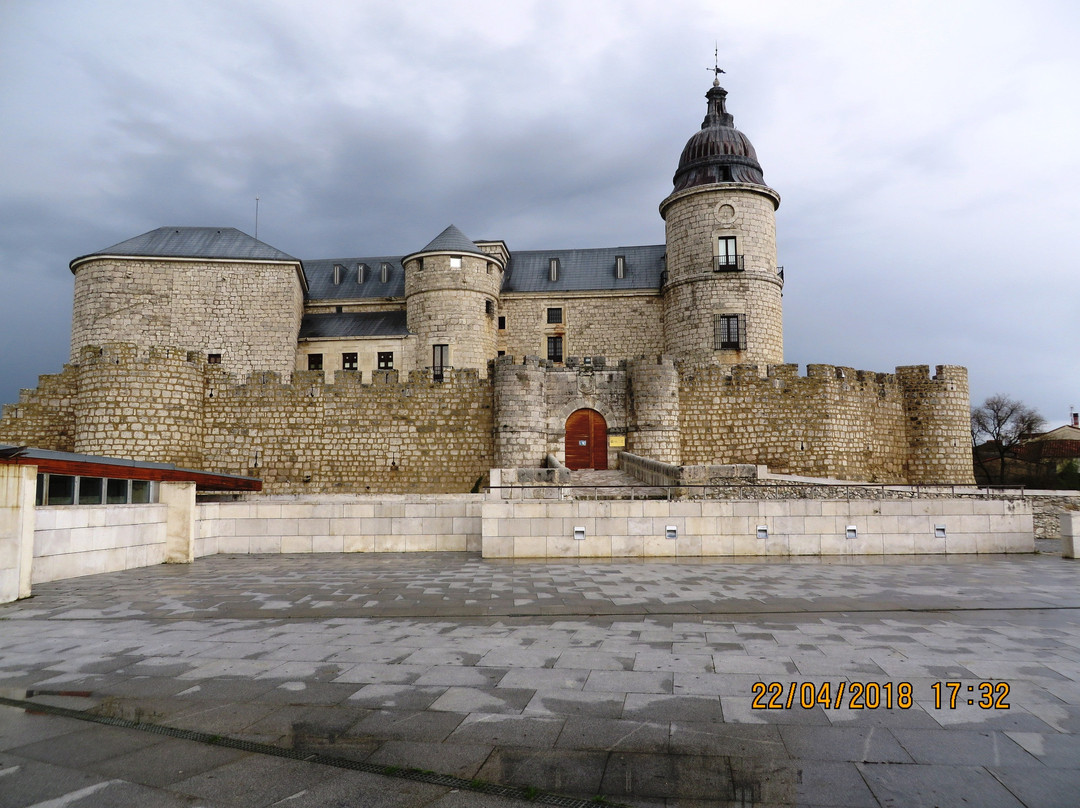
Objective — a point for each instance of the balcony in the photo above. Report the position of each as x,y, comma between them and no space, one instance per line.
727,263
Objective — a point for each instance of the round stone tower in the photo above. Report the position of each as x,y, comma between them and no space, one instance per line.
452,301
723,287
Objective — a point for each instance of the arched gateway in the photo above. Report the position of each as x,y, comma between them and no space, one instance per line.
586,440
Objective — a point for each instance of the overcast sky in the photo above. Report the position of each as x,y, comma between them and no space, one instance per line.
927,153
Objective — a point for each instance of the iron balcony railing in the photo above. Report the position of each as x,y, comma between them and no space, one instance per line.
727,263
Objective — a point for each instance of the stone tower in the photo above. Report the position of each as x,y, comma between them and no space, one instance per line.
722,294
452,301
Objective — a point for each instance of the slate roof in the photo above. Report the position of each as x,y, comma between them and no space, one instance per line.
452,240
354,324
584,270
194,242
320,276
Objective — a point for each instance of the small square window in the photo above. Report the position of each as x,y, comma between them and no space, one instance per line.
314,361
502,323
213,359
141,492
348,361
555,349
61,490
455,262
90,490
554,316
116,492
386,360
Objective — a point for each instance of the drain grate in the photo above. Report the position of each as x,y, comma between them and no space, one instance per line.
432,778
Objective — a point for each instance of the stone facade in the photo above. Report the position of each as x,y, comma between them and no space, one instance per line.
248,313
193,346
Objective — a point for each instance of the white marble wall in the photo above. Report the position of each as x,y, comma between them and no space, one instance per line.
620,528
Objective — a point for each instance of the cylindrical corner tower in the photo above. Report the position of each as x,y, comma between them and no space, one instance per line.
722,295
452,301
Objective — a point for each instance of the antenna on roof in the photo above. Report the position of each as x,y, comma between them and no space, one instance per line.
256,215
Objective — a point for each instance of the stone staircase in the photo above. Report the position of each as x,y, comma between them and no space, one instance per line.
610,484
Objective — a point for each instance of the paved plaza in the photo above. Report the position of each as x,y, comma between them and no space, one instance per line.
446,680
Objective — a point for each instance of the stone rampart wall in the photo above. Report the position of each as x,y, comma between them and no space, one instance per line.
44,417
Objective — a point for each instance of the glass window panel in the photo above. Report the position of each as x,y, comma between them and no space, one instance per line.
140,492
61,490
116,492
90,490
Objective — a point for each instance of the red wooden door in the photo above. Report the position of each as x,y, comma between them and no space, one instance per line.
586,440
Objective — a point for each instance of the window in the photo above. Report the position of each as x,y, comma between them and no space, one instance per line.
213,359
384,272
502,323
314,361
116,492
455,262
386,360
729,332
61,490
726,258
489,307
361,272
553,270
339,309
339,273
90,489
500,353
620,266
440,359
348,361
554,316
141,492
555,349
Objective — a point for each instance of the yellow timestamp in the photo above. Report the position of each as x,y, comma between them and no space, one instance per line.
984,695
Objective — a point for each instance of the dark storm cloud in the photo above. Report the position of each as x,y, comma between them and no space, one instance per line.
926,162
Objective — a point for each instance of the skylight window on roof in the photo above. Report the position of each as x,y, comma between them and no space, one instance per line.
620,266
553,270
361,272
384,272
339,273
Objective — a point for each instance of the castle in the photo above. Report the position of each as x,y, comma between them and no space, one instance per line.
210,349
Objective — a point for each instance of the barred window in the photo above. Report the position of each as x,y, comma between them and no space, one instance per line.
729,332
554,316
554,349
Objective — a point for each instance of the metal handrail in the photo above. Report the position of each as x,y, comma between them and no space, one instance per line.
728,263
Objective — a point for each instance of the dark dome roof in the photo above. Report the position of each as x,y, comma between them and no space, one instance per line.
719,152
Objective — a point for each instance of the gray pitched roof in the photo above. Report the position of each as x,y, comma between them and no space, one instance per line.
354,324
321,286
585,270
194,242
452,240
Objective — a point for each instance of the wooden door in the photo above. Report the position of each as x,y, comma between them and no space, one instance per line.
586,440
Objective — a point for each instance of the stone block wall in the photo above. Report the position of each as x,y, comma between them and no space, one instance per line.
654,406
938,422
696,219
613,325
44,417
249,312
141,404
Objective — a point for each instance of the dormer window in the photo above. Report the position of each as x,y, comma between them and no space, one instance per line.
455,262
362,272
553,270
620,266
339,273
384,272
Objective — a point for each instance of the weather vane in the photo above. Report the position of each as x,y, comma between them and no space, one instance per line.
715,69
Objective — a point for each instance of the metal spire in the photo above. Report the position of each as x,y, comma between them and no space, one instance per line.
715,69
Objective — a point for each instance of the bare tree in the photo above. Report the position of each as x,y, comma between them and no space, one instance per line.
998,426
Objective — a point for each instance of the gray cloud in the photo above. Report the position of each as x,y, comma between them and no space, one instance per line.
925,155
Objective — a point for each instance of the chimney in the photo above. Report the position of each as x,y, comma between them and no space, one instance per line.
1076,419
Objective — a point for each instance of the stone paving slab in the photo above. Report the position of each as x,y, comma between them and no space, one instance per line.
638,686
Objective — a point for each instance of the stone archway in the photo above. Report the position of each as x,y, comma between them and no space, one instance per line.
586,440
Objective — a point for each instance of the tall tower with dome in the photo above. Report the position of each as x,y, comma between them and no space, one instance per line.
722,293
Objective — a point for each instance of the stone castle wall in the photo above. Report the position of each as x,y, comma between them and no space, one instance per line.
44,417
834,422
696,219
247,312
615,326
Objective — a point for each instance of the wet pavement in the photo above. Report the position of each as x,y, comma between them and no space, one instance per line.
447,680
